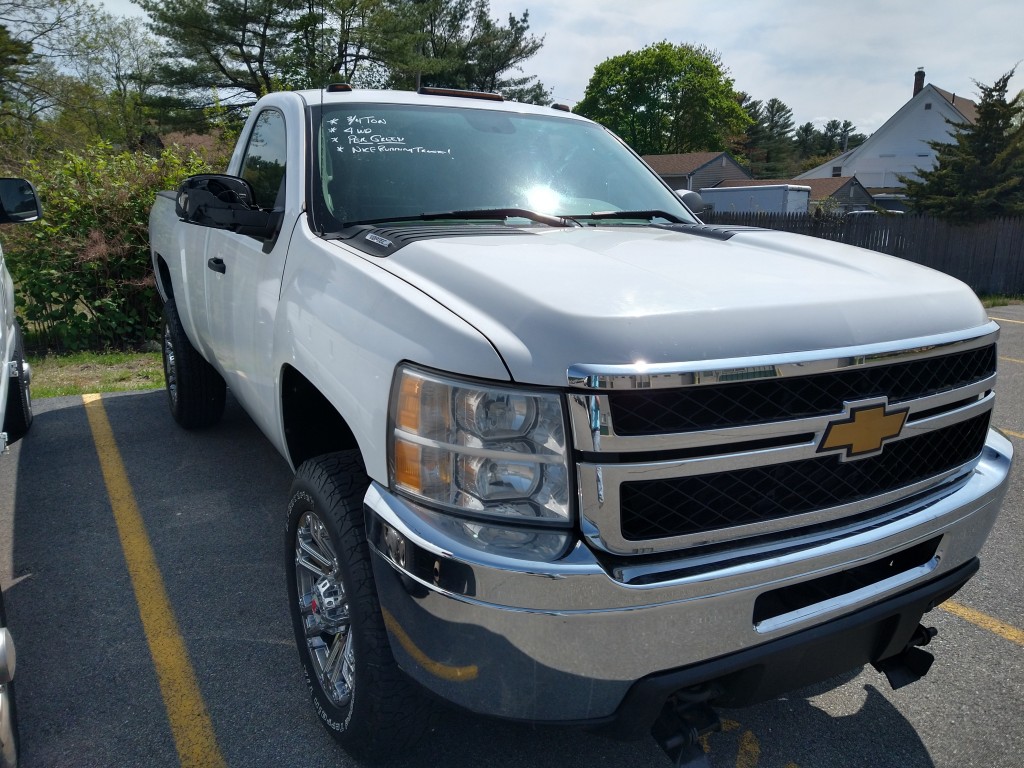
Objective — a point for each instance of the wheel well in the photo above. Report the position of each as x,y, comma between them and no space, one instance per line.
164,276
312,426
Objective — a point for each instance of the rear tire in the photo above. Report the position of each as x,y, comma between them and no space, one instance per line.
18,414
366,703
195,391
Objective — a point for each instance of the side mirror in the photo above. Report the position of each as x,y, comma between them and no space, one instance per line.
19,202
693,201
224,202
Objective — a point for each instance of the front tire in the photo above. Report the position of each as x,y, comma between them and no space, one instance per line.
195,391
18,414
362,698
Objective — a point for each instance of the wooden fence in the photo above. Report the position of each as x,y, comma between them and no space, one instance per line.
989,256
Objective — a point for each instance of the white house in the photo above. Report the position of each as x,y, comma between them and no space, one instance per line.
900,146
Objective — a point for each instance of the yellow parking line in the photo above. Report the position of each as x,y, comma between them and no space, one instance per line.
190,724
749,751
1005,320
1011,433
985,621
1011,359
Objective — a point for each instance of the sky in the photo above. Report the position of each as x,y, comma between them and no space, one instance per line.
825,59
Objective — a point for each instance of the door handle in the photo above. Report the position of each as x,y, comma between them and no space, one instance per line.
217,265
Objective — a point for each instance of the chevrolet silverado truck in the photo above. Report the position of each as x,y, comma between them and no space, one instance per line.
563,453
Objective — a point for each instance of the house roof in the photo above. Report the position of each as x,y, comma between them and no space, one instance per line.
820,188
888,153
681,164
965,107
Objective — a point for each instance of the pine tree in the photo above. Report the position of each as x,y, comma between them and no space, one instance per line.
777,122
979,174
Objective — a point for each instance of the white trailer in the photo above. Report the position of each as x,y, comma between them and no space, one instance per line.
762,198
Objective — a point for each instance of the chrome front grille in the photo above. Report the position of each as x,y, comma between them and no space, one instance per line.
683,456
654,509
651,412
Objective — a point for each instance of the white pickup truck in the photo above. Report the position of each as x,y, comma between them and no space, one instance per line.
565,454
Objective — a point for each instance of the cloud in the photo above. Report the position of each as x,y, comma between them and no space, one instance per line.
825,60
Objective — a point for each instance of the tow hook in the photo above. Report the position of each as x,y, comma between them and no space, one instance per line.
912,663
679,728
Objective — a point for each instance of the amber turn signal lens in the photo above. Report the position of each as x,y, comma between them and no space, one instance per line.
407,466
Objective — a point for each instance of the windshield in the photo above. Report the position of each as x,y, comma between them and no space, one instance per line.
384,162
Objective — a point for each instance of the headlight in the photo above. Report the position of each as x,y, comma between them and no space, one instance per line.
482,451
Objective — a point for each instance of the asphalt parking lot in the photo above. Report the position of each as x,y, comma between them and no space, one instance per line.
134,558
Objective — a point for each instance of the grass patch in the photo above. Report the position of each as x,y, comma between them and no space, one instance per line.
999,301
87,372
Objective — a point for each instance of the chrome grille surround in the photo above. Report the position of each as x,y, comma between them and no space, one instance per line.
608,461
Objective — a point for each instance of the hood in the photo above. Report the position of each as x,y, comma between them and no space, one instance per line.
621,295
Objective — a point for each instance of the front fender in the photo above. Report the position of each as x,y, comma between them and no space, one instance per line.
345,324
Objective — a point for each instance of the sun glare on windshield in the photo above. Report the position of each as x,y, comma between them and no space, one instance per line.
543,199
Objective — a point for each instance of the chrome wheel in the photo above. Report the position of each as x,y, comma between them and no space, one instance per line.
17,411
361,696
26,386
324,607
170,368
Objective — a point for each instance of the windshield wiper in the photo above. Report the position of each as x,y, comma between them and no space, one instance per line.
474,214
645,214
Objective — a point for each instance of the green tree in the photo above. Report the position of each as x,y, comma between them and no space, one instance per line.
14,57
769,143
101,87
665,99
333,41
233,51
41,24
813,147
979,174
228,47
746,147
32,43
457,44
805,141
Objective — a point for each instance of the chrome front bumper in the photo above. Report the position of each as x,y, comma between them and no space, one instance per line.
566,640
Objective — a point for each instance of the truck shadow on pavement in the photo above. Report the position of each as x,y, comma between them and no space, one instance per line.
786,733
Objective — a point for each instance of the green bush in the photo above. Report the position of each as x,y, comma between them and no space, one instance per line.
83,273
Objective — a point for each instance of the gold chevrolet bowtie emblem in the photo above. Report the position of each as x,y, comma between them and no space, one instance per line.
864,431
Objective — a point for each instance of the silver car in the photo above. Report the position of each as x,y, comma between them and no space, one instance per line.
18,203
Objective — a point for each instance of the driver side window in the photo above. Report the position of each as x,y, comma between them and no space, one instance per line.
264,163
